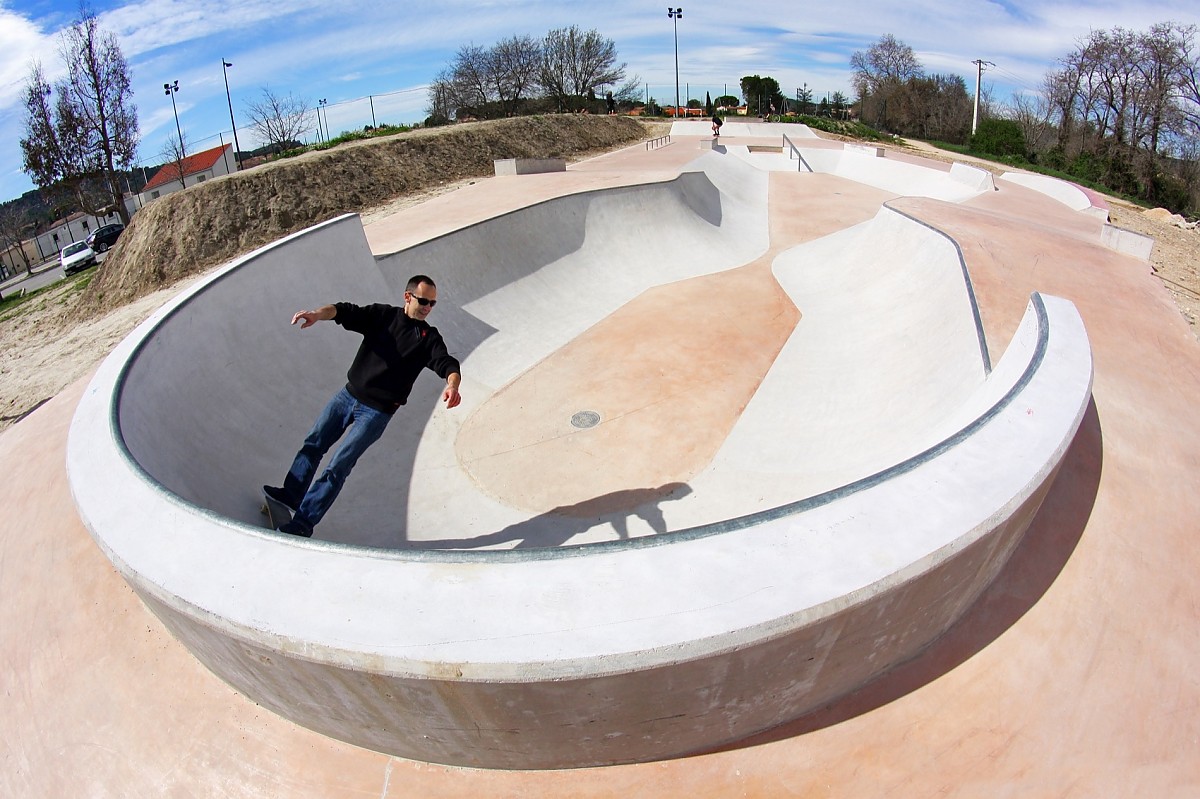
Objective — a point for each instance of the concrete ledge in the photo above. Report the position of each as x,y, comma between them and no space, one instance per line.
973,176
604,653
863,149
529,166
1127,241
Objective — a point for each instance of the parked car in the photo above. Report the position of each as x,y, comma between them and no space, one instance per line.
104,237
75,256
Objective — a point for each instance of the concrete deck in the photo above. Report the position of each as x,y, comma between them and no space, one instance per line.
1068,677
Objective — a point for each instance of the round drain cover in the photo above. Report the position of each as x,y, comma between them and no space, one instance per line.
585,419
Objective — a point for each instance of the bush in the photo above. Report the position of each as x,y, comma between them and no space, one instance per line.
841,127
999,137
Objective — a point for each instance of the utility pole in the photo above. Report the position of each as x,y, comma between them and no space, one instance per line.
979,63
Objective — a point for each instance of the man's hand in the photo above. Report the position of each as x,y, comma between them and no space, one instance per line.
322,314
451,396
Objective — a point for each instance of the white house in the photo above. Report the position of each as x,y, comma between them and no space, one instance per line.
196,168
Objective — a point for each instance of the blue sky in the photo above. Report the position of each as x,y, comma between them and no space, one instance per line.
345,52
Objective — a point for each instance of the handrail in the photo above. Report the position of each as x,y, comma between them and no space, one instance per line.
796,150
661,141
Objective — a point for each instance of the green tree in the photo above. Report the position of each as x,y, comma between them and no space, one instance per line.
999,137
78,145
804,97
761,93
839,104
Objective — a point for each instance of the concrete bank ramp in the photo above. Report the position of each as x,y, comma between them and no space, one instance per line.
889,348
609,652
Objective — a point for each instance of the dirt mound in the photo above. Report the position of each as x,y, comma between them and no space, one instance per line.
192,230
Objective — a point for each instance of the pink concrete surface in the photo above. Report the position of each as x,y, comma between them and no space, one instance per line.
1072,676
713,339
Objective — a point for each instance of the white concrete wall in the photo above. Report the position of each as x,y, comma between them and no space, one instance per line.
865,165
1066,193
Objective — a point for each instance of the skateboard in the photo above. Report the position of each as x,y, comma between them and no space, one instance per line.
276,512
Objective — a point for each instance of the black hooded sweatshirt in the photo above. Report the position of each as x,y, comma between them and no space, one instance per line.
394,350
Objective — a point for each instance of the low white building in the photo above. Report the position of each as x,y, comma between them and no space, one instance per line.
194,169
74,228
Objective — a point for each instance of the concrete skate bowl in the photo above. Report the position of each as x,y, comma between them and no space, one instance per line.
744,612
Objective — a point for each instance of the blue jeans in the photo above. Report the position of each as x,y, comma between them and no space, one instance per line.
365,425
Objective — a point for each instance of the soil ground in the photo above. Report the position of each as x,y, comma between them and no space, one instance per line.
52,341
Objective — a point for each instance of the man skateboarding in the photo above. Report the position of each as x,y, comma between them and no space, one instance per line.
397,344
716,124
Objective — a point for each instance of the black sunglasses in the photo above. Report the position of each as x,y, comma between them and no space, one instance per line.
422,301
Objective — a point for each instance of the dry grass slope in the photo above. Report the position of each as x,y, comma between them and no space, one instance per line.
190,231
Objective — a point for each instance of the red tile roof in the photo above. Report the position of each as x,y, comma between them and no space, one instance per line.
192,165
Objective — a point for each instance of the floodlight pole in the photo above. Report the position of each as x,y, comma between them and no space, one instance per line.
237,148
676,14
170,89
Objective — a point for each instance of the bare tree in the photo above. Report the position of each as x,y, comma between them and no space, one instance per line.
931,107
174,155
1062,90
888,61
471,82
1189,83
1032,112
14,224
1161,60
279,121
630,91
881,71
1121,97
487,82
512,68
77,145
576,63
441,99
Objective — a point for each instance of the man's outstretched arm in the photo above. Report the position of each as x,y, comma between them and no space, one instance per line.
310,318
451,396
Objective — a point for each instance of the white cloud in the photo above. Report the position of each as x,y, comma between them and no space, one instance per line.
21,43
